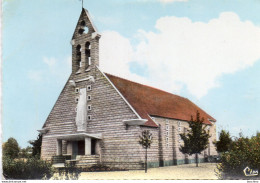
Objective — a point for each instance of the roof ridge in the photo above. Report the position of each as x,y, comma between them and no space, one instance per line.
152,87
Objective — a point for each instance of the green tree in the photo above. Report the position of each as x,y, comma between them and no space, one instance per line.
224,142
196,139
11,148
146,141
25,152
36,146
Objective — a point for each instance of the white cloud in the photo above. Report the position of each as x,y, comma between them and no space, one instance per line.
170,1
196,53
116,52
184,53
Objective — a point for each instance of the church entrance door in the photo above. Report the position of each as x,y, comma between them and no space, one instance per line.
81,147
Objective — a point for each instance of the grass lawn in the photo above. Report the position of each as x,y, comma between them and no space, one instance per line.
187,171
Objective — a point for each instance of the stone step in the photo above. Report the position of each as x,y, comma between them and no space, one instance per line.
96,159
79,164
80,156
84,166
87,159
93,161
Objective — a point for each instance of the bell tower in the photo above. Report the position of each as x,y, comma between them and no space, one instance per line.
85,45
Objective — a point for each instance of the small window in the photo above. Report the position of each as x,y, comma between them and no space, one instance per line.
76,99
76,109
167,133
167,145
89,87
167,127
167,139
179,123
89,117
89,107
89,97
167,121
179,128
87,52
78,55
76,90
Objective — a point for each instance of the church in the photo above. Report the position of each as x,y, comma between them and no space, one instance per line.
98,117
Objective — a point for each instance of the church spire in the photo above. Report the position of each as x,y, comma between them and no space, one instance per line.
85,44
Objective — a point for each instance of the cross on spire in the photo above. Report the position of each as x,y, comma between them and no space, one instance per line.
82,2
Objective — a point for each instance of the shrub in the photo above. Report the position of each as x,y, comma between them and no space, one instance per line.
23,169
69,172
244,152
25,152
99,168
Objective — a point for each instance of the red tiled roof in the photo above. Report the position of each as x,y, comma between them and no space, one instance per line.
147,101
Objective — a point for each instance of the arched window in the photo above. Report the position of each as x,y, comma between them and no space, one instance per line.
78,55
87,52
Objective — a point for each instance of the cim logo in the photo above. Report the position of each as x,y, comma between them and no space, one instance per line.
250,172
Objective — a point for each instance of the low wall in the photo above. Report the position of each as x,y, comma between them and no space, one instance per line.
60,159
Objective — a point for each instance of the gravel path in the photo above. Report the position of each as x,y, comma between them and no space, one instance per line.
189,171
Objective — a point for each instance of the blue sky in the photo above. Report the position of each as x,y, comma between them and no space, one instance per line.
206,51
